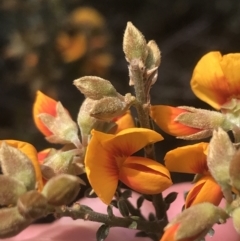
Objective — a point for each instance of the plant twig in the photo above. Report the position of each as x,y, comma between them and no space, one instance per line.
77,211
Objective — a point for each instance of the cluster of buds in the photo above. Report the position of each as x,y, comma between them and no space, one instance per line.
141,55
102,105
23,198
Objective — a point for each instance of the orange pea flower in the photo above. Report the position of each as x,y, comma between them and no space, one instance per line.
31,153
193,159
216,78
165,117
108,159
187,122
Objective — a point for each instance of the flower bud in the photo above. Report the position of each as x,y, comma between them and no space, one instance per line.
11,222
62,126
59,162
234,170
32,205
94,87
109,108
16,164
84,120
62,189
10,190
220,153
194,223
154,55
203,120
134,44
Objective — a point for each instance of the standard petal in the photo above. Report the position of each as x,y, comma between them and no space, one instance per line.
216,78
165,116
101,168
31,153
187,159
144,175
43,104
230,65
130,140
201,190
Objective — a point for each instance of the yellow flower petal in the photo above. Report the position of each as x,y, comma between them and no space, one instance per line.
101,168
164,116
43,104
187,159
205,190
216,78
124,122
31,153
130,140
144,175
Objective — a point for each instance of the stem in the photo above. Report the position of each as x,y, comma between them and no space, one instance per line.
137,73
160,207
142,105
77,212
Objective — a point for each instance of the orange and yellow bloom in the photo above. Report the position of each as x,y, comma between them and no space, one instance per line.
216,78
165,117
108,159
193,159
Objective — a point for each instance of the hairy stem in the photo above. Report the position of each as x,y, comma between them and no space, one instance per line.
79,212
137,73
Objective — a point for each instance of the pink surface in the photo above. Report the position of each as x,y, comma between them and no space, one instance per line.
67,229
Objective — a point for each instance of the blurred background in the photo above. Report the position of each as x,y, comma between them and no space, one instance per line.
46,44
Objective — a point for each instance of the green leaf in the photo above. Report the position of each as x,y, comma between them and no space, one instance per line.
140,201
123,207
102,232
171,197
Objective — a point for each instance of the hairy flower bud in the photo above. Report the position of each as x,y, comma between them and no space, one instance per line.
134,44
59,162
95,87
109,108
85,121
16,164
10,190
194,223
62,126
62,189
204,120
154,55
220,153
32,205
11,222
234,170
